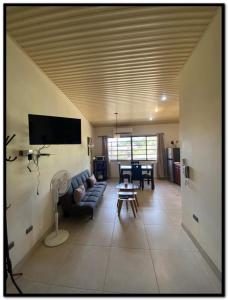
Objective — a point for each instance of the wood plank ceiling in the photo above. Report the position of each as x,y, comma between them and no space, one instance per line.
112,58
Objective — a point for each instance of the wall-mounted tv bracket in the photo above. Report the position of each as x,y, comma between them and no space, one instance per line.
8,140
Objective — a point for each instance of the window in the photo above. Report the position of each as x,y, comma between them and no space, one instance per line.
119,149
133,148
151,147
139,148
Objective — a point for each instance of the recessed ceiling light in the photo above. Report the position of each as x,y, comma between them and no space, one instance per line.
156,110
163,98
150,118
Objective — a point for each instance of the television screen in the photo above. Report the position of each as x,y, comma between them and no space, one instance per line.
47,130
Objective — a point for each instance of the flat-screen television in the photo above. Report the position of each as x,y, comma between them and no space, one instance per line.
48,130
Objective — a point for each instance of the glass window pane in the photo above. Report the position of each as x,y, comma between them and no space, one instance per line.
119,149
124,148
139,148
139,157
112,148
151,147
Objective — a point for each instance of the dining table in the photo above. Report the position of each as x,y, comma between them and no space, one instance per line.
148,168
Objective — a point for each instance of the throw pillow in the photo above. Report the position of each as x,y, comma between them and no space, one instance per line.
86,184
79,193
91,181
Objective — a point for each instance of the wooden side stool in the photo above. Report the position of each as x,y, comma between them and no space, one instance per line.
127,196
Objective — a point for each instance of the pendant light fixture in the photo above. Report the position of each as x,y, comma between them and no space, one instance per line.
116,135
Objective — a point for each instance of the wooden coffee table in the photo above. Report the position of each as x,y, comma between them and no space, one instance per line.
127,187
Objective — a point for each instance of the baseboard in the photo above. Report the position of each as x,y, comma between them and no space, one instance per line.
210,262
34,247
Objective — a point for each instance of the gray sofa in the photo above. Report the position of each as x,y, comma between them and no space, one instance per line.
88,202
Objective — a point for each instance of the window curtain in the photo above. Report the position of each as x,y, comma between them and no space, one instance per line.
105,152
160,156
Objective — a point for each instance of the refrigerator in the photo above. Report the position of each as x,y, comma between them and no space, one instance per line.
173,155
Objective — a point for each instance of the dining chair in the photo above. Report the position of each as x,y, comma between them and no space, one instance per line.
136,174
123,175
147,176
134,162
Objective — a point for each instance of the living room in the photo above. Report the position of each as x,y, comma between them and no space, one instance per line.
157,75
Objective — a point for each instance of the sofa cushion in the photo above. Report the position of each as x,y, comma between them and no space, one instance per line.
88,204
100,188
97,187
100,183
79,180
91,181
94,193
83,177
86,185
74,182
87,173
90,198
79,193
98,191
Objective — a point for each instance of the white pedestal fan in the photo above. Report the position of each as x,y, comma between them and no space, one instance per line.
59,185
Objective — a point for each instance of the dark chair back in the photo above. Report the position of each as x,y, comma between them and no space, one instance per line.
123,175
119,167
136,172
134,162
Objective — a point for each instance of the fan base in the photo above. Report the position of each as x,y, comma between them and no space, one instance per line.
53,239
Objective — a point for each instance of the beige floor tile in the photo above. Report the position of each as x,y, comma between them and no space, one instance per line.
93,233
44,263
28,287
175,215
167,237
59,289
130,271
72,224
130,234
170,203
127,214
180,272
84,268
199,258
155,217
105,215
108,203
151,203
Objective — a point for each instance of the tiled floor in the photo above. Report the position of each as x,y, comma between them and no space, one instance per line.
149,254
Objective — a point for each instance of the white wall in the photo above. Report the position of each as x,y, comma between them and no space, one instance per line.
171,132
30,91
200,127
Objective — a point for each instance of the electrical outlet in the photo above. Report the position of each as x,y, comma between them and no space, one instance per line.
11,245
29,229
195,218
